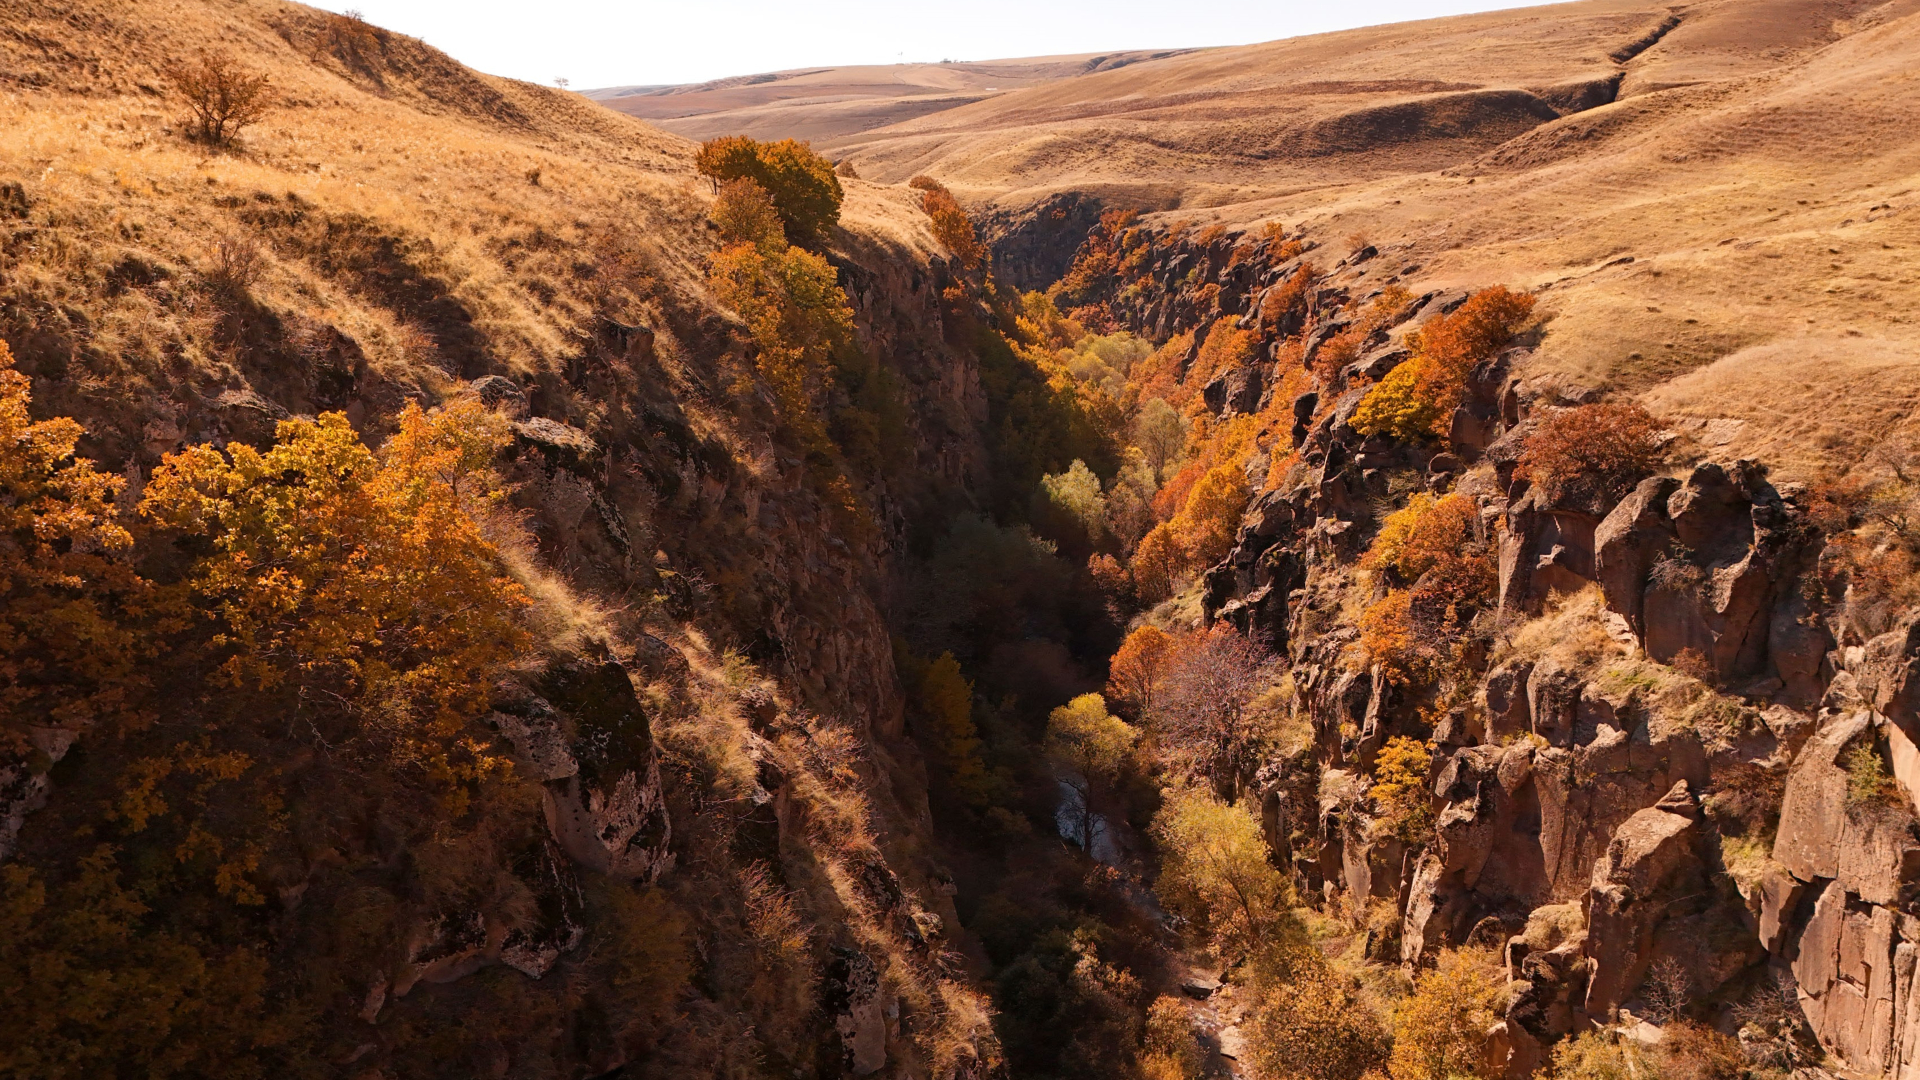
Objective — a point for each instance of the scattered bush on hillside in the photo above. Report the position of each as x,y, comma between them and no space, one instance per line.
1206,525
222,97
951,225
1440,1031
1594,453
1604,1055
1287,303
1869,782
1344,347
801,183
1416,400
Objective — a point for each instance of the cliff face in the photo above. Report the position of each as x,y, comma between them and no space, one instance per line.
1679,760
707,743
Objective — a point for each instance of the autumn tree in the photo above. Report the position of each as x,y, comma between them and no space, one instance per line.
946,697
1088,746
1206,526
1157,564
1161,434
799,320
70,655
355,586
92,984
1202,712
745,214
1440,1030
1416,399
1075,500
951,226
1139,665
1214,871
222,97
1311,1025
1592,453
1441,573
801,183
1170,1051
1400,791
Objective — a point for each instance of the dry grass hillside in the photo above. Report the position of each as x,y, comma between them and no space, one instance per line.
401,222
1715,198
833,102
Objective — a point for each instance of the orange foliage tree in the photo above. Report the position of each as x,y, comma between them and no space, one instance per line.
1595,451
68,655
801,182
1417,398
1134,673
1443,574
951,226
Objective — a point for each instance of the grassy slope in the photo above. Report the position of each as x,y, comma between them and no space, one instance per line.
1759,168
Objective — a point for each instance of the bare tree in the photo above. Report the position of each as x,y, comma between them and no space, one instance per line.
1202,710
222,97
1668,990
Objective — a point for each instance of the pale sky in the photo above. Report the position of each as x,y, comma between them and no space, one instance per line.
596,43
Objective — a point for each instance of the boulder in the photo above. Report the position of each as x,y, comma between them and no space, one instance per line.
1872,851
1650,861
1627,542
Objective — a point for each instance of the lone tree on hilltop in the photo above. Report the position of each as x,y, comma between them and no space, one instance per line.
221,95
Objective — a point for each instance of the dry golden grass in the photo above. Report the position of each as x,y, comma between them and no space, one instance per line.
488,224
1752,194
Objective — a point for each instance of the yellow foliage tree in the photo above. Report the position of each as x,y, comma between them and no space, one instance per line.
1400,788
1440,1030
68,655
338,574
1156,564
1089,745
798,318
947,699
1214,871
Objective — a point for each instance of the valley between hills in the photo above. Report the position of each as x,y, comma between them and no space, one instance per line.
1387,555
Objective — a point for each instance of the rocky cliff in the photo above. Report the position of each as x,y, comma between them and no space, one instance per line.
1674,758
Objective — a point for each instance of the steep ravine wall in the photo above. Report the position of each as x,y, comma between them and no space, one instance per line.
1606,830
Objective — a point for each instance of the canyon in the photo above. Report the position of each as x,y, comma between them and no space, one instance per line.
677,684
